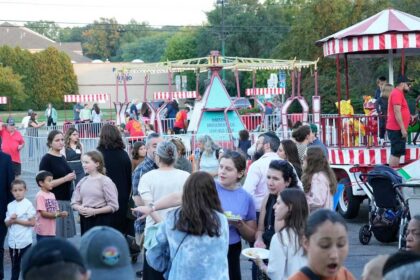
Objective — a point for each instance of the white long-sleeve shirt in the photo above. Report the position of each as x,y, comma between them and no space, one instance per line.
284,260
256,178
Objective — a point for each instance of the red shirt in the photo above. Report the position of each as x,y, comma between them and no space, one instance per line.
397,98
10,143
180,119
134,128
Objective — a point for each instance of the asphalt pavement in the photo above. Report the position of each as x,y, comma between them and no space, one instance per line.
359,254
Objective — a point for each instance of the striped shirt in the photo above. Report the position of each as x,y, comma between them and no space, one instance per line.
147,165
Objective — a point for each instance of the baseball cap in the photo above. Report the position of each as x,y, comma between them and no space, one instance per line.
50,251
10,121
403,79
106,254
314,128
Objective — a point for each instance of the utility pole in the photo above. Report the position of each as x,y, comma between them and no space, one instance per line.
222,2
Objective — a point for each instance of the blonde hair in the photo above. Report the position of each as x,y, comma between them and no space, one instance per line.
386,90
97,158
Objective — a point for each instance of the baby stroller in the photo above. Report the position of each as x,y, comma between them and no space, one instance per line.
410,192
386,205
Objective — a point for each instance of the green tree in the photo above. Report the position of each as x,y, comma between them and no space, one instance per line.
11,85
148,49
102,39
54,77
47,28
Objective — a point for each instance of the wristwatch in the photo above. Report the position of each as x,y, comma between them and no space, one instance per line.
152,206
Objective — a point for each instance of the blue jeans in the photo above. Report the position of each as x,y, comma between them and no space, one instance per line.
42,237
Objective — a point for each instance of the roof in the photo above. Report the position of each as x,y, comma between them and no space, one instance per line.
25,38
389,20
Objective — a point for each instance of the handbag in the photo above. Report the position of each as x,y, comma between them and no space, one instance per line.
309,273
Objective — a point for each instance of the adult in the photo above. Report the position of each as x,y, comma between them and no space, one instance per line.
198,232
398,120
303,136
244,143
77,108
413,234
159,183
148,164
118,169
380,82
280,176
327,246
209,155
382,109
288,151
73,151
316,141
25,120
85,114
138,154
171,110
12,143
6,178
319,182
51,115
182,161
181,121
134,113
96,117
63,176
134,129
402,266
256,180
54,258
32,133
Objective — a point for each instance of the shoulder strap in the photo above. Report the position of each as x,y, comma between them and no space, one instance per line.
309,273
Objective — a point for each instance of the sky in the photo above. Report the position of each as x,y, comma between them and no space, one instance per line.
155,12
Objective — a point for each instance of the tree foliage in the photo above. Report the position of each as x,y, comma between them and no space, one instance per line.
47,28
11,85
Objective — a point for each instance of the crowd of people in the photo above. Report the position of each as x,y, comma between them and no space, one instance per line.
193,219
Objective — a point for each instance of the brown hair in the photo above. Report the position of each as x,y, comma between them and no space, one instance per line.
317,162
69,132
386,90
136,147
238,160
292,154
110,138
180,147
295,199
18,182
97,158
301,133
200,204
51,137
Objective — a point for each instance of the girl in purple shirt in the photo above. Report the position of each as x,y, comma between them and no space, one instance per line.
236,200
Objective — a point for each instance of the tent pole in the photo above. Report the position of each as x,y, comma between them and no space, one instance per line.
346,69
402,61
390,67
338,78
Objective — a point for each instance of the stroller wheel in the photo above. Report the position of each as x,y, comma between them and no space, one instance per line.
365,235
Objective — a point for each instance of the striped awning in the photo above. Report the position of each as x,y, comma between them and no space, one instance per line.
175,94
264,91
388,30
97,97
3,100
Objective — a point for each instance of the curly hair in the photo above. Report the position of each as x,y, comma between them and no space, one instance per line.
287,171
317,162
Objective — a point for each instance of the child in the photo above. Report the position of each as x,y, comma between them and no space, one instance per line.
20,217
96,196
318,179
47,209
327,246
286,251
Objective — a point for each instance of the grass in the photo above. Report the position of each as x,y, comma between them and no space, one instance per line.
63,115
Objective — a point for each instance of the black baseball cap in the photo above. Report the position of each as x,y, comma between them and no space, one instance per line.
404,79
50,251
106,253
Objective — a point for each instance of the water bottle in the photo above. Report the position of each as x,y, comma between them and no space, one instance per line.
389,215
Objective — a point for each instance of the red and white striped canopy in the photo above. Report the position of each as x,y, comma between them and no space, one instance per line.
389,29
97,97
175,94
3,100
264,91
